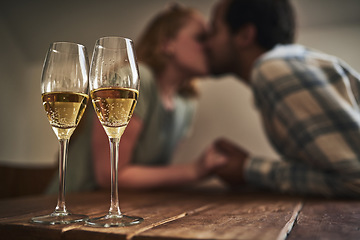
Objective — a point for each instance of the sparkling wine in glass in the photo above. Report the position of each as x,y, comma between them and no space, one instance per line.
114,90
64,88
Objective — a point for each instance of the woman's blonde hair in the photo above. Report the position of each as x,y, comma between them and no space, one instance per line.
163,27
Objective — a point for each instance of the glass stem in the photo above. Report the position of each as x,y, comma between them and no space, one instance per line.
60,207
114,159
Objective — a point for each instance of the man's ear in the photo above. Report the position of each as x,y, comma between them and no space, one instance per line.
246,35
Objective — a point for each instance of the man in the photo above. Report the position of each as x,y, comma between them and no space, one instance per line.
309,102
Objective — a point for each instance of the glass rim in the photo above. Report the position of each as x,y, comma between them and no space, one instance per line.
69,43
125,39
67,91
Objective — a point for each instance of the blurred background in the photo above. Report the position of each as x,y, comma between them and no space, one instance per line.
226,105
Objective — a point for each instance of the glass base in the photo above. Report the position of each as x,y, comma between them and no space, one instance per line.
59,218
114,221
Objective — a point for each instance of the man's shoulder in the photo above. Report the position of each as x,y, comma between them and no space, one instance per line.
291,59
279,55
283,52
294,53
271,69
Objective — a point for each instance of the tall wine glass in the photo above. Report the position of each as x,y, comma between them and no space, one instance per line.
64,88
114,90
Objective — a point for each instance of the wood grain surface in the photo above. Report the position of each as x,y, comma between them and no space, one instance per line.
189,214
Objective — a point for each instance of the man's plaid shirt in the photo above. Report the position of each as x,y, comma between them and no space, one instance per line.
309,104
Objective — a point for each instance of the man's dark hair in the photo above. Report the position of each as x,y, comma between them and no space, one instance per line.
273,19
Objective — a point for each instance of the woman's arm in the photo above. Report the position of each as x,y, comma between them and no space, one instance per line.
142,177
150,177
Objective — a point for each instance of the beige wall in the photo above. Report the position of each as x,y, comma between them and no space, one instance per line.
26,137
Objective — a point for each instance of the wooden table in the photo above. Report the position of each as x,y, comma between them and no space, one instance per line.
196,213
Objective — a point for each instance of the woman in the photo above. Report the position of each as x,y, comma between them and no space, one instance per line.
170,54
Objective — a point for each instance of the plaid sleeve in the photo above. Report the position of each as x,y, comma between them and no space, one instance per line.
311,118
354,80
297,178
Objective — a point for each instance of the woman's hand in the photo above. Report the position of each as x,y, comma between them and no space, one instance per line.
210,160
232,172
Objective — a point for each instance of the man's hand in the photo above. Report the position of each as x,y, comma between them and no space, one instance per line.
209,161
232,172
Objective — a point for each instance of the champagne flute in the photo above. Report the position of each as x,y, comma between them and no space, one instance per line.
64,88
114,89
